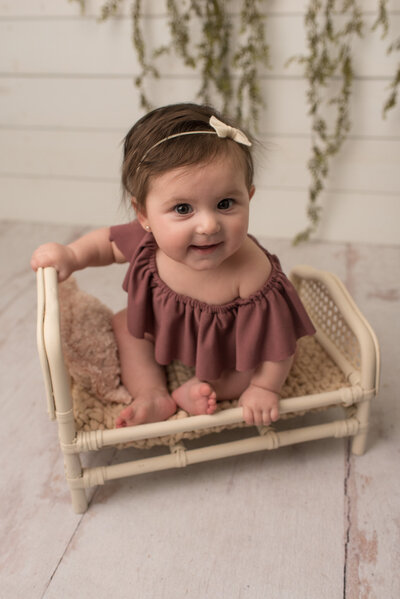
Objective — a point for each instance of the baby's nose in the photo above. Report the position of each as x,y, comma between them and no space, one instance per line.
208,224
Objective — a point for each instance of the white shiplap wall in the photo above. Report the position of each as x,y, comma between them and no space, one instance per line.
67,98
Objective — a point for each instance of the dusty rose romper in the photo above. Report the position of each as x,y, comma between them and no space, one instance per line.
238,335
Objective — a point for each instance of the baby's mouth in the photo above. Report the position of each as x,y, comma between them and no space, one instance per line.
205,249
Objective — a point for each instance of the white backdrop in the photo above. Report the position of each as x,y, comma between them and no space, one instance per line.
67,98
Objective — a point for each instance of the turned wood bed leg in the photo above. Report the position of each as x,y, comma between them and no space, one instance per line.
72,461
359,442
79,501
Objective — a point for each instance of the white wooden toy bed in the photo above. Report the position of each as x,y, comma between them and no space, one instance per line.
337,367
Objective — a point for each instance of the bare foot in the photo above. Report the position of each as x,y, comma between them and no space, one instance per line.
260,406
196,397
152,407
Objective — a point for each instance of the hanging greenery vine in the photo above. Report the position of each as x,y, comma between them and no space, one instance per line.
331,28
383,22
201,34
329,57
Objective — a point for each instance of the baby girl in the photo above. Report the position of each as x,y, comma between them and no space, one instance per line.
199,288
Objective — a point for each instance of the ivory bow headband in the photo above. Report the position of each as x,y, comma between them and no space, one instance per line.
220,129
223,130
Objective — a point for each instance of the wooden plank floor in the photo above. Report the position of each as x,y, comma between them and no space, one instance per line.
303,522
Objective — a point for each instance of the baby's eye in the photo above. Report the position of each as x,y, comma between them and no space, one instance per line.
183,209
225,204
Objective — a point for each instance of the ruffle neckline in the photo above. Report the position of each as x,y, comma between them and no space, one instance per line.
273,278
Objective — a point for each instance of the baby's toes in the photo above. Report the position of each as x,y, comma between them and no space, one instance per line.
120,422
124,417
212,399
212,405
205,390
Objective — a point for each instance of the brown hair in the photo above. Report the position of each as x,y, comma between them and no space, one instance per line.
144,159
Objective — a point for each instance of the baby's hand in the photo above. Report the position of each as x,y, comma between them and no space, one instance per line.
260,406
60,256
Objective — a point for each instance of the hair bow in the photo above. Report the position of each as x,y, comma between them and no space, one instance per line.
223,130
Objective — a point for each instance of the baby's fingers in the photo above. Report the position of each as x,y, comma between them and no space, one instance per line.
275,414
52,254
248,415
41,259
267,417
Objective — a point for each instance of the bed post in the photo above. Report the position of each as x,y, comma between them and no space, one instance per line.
359,442
370,375
60,384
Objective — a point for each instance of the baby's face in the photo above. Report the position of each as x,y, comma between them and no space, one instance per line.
199,214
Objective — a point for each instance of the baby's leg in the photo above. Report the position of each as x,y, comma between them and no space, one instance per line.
200,397
143,377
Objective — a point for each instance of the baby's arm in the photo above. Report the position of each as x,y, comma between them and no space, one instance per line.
93,249
260,400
